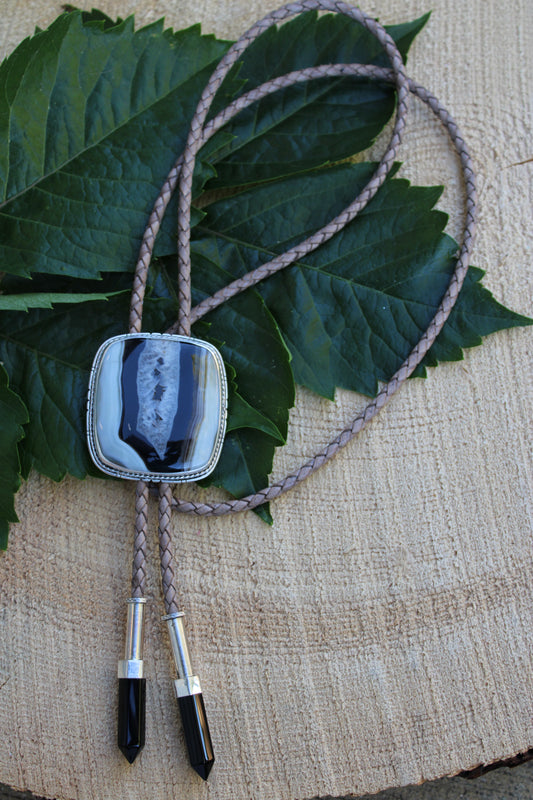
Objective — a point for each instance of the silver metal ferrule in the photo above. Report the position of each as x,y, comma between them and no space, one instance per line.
132,664
187,683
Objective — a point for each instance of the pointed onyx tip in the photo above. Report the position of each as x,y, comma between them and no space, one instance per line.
131,753
197,735
204,768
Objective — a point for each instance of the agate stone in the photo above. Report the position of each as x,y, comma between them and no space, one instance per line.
157,407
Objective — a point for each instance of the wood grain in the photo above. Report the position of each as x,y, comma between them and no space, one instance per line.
380,633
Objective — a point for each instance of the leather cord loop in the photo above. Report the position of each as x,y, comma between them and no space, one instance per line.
180,177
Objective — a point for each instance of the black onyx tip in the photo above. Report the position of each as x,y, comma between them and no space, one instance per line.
203,770
131,753
131,711
197,734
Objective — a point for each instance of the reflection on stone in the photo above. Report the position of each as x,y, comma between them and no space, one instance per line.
158,405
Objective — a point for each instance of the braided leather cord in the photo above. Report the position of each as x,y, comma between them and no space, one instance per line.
182,173
414,357
138,578
165,548
194,141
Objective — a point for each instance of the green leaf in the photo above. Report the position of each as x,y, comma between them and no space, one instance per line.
48,355
475,314
100,18
242,415
92,116
13,415
313,123
23,302
352,310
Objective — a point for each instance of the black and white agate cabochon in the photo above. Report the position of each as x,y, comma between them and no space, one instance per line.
157,407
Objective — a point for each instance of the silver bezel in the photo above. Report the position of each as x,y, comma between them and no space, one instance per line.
157,477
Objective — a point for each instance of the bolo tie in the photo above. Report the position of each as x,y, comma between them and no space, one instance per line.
157,403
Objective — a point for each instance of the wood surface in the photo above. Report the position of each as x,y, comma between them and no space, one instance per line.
379,634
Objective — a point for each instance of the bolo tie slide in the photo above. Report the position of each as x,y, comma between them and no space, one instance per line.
157,401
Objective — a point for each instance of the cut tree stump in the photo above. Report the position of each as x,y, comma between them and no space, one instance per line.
379,634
